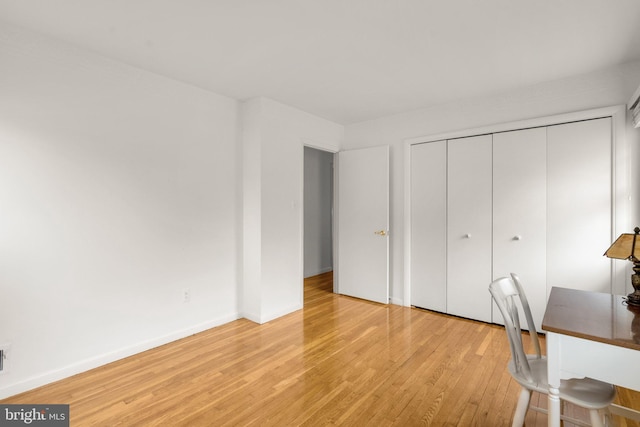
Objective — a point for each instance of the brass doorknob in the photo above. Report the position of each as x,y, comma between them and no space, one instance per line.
380,233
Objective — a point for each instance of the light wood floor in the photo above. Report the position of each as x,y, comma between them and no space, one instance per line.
340,361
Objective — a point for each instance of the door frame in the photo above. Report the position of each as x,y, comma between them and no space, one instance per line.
621,179
329,182
334,227
336,208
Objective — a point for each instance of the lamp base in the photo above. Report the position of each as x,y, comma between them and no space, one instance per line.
634,298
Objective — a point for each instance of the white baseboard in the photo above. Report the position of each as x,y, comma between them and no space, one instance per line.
100,360
264,318
320,271
255,318
396,301
271,316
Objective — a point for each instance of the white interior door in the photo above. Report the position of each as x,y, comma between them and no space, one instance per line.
579,204
429,225
520,214
363,223
469,180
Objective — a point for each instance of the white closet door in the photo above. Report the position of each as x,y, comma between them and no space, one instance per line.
519,214
429,225
469,227
579,204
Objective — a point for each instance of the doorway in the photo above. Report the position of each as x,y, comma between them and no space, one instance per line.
318,212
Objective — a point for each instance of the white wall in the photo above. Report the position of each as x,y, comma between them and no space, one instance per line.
117,193
274,136
120,189
318,202
250,292
604,88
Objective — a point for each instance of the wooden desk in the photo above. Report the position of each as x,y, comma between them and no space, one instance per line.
594,335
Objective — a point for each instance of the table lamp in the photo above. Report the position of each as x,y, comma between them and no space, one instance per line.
625,248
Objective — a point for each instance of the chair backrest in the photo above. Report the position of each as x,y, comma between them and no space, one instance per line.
531,326
509,295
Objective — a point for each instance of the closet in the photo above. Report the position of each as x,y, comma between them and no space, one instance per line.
536,202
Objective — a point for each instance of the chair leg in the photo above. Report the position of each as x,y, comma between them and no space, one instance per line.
596,418
608,421
521,409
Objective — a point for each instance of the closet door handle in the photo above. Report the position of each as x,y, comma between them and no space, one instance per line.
467,236
517,237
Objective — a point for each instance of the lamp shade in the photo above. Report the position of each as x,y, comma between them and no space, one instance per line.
625,247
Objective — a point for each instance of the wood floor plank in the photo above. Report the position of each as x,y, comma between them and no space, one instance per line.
339,361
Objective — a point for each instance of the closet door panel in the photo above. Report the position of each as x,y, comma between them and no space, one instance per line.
519,214
469,178
428,225
579,200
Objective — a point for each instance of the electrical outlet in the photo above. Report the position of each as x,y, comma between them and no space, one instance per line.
4,358
186,295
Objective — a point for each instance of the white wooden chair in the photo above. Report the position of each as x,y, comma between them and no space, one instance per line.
530,370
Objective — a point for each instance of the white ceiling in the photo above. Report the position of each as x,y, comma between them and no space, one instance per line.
347,60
